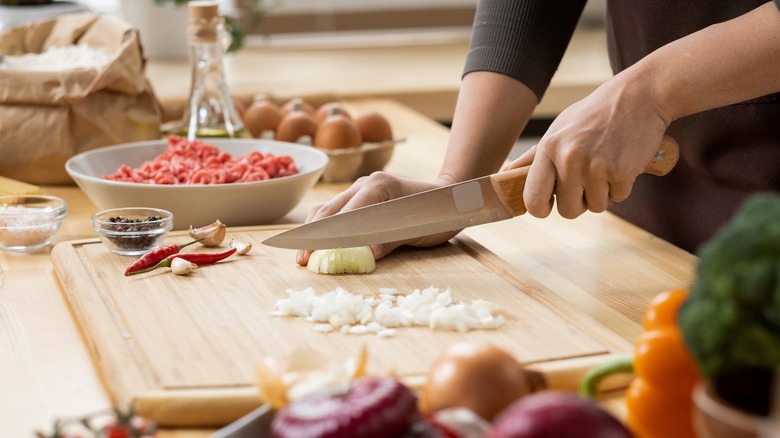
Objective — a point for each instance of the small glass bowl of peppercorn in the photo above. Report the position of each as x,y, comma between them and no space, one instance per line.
133,231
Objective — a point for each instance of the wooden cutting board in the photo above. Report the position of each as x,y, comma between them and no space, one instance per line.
183,349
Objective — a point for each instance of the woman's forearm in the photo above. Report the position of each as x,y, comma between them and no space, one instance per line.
491,111
723,64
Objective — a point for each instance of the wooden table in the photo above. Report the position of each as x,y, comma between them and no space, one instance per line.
599,263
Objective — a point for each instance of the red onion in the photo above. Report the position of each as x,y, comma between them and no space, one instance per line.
375,407
556,414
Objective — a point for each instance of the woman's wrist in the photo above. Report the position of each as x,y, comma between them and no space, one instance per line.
655,88
722,64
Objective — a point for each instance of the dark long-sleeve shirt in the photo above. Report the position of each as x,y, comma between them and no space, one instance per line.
726,153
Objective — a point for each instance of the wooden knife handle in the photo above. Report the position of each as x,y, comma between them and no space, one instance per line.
665,158
509,184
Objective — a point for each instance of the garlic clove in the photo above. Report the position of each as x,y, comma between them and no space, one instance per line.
242,248
179,266
212,234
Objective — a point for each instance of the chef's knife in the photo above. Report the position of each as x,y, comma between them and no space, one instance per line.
478,201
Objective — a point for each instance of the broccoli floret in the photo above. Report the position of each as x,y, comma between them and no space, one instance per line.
731,321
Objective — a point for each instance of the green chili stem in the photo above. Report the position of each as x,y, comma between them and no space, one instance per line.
590,382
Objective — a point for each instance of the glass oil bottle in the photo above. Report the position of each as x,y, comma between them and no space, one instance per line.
210,111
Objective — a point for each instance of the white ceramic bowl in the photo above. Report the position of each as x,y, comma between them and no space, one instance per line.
30,222
235,204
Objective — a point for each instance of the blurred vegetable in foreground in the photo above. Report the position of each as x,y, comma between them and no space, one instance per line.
556,414
378,407
731,322
477,376
111,423
659,400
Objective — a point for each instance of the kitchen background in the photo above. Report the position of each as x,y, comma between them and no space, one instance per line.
297,23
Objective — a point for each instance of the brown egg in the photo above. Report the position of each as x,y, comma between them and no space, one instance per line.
337,131
477,376
297,104
261,116
330,108
295,125
240,107
373,127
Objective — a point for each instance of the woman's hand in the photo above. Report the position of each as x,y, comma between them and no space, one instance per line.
480,140
372,189
594,150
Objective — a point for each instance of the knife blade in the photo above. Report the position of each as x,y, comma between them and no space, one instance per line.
454,207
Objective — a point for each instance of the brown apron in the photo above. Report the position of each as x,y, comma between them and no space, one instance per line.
726,153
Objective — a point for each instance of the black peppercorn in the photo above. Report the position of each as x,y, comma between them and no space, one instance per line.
126,225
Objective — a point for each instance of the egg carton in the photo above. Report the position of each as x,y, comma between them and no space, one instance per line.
349,164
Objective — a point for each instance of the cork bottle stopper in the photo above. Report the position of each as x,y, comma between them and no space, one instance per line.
204,20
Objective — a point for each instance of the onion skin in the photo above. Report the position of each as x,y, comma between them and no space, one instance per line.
556,414
476,376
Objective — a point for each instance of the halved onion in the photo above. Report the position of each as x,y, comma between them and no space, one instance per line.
359,260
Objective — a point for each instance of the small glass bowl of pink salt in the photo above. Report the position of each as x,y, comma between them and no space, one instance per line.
30,222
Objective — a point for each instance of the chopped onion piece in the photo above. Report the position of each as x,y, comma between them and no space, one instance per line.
356,314
359,260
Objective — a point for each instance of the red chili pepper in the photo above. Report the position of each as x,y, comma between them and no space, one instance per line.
151,258
197,258
204,258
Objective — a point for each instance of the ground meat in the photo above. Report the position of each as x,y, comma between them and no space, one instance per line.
195,162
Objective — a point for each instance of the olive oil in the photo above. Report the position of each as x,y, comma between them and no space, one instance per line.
210,112
216,132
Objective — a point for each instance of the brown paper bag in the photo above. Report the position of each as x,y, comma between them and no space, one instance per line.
48,116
